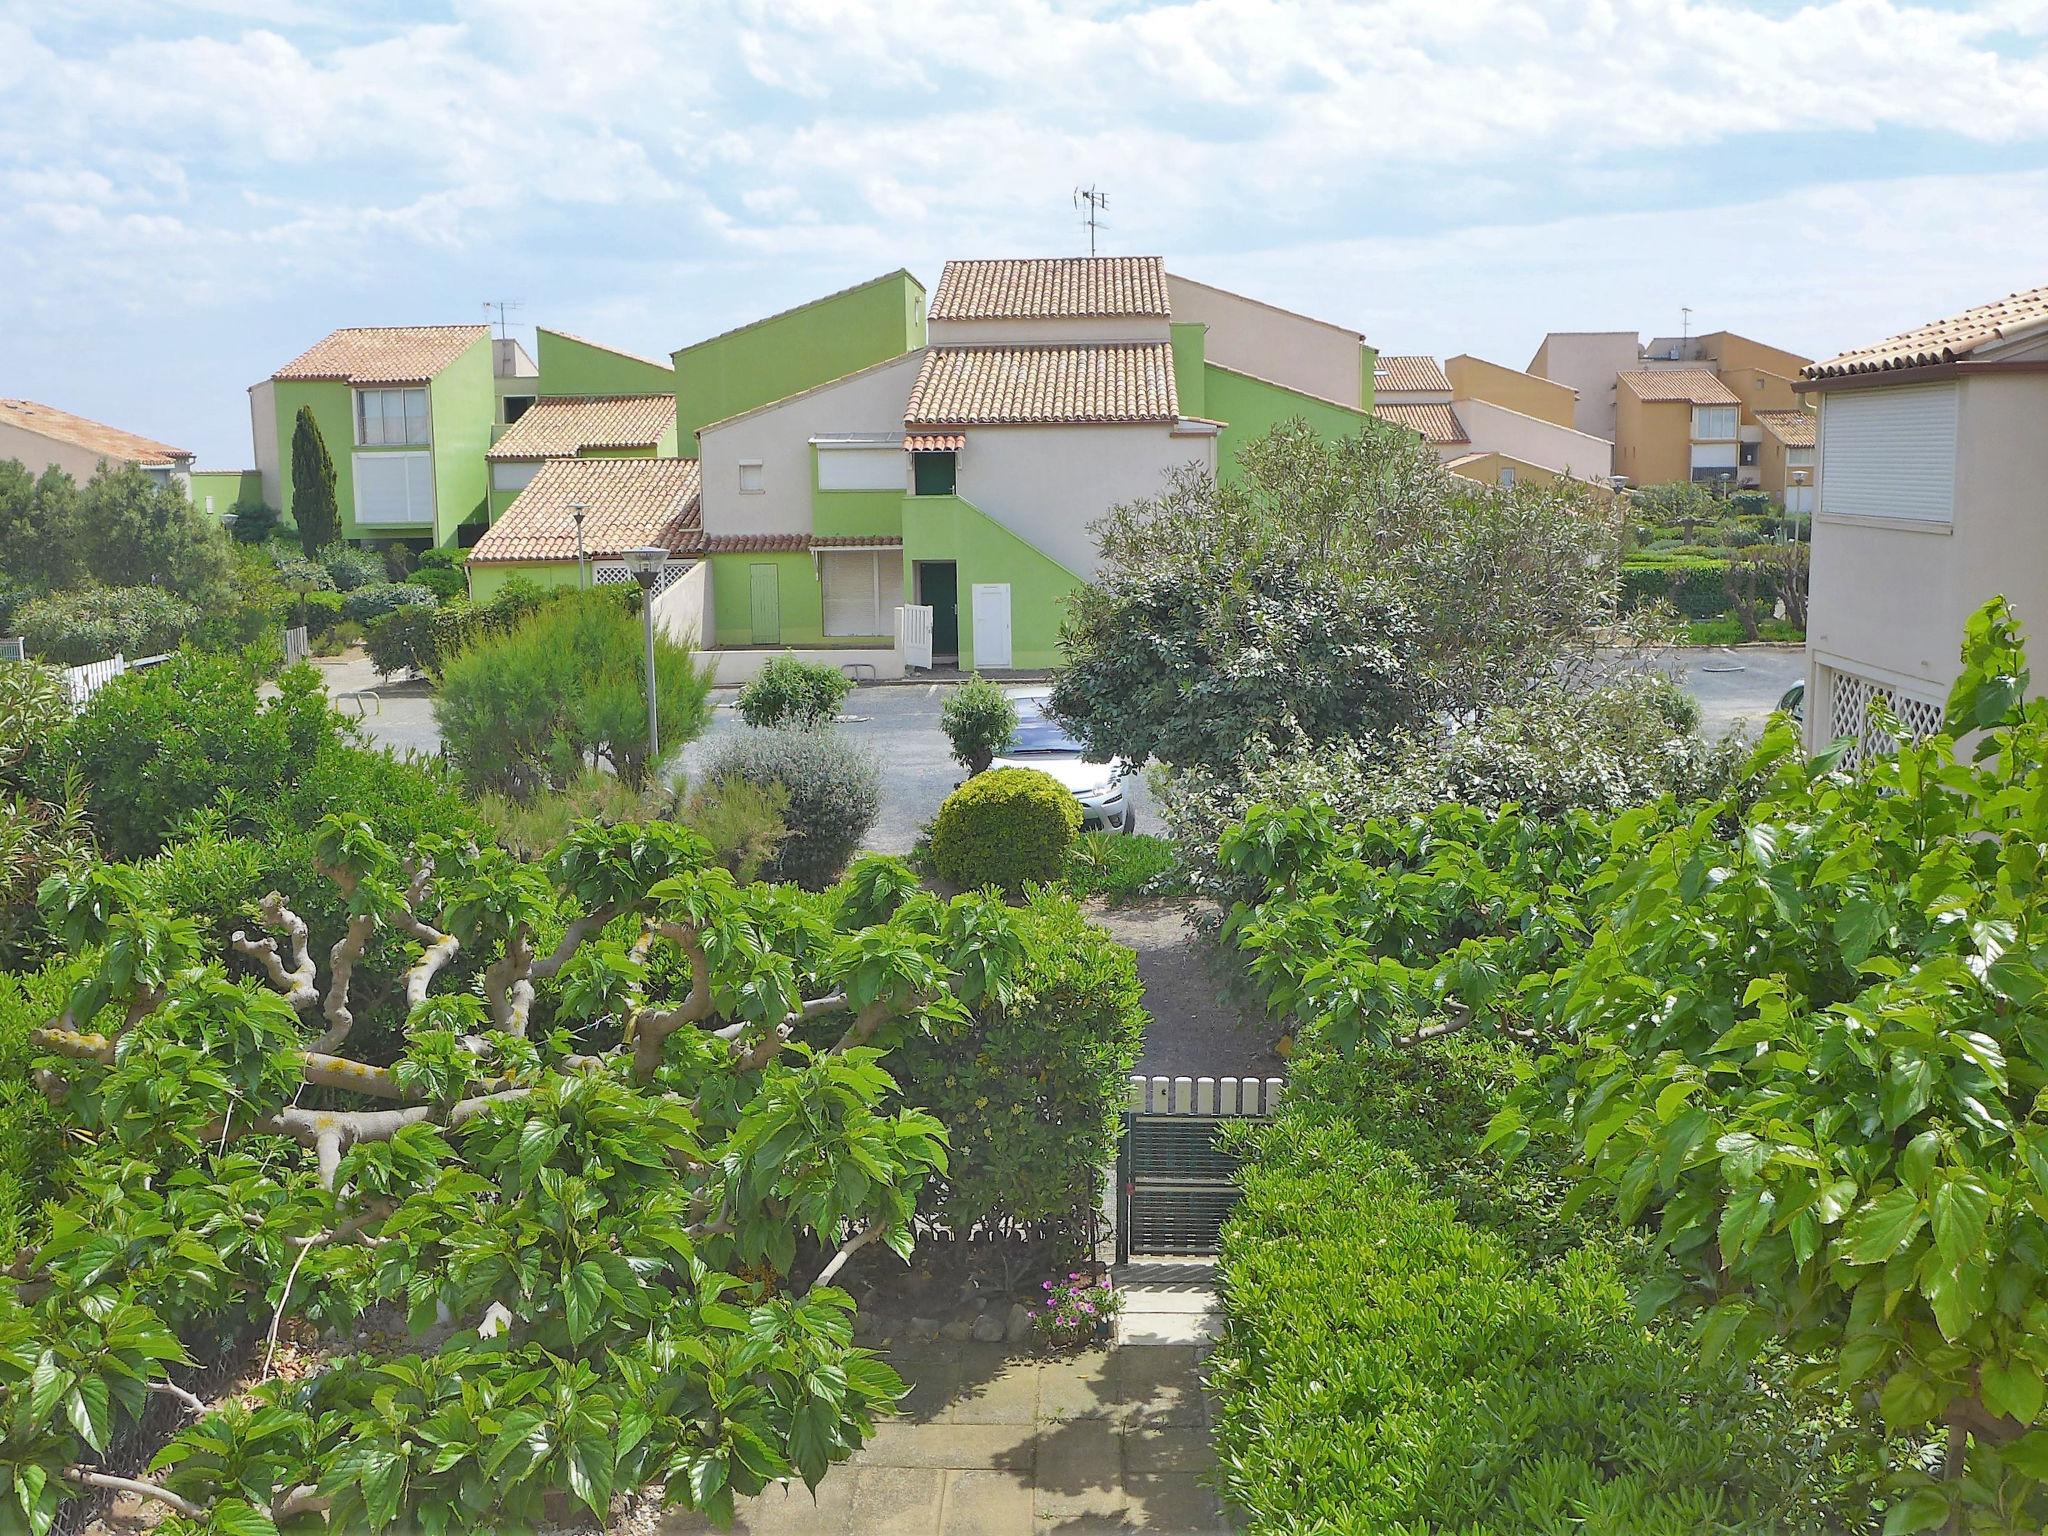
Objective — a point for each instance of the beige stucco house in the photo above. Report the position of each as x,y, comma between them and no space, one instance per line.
43,437
1933,473
1487,422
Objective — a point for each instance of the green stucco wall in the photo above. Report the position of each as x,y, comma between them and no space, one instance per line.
950,528
486,581
787,353
572,367
1252,407
464,403
229,488
1190,348
800,597
333,413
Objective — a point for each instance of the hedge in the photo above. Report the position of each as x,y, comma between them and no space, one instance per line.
1694,585
1415,1341
1032,1093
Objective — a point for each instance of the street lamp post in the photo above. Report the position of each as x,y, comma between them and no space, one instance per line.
576,511
646,564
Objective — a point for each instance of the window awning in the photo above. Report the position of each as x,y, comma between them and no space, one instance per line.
934,442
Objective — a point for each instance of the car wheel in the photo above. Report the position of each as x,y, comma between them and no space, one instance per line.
1130,820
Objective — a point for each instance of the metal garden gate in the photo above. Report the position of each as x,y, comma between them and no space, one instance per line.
1175,1182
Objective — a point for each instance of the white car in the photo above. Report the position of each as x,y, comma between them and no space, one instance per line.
1043,743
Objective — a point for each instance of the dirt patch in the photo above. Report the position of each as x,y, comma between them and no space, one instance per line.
1195,1030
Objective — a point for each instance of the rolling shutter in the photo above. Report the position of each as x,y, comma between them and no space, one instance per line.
396,488
1889,453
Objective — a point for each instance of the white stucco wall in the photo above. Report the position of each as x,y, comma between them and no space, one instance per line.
1312,356
263,432
684,612
1889,600
1495,429
1016,333
1047,484
1588,362
779,436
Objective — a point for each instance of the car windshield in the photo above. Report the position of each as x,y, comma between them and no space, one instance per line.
1038,733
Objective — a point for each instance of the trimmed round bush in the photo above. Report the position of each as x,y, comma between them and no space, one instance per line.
835,793
794,695
979,720
1006,827
366,603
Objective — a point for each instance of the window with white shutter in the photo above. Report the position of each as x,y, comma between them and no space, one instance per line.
1889,452
394,487
513,474
852,583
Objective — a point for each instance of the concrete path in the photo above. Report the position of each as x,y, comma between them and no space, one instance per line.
994,1442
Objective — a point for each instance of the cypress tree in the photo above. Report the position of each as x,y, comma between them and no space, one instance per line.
313,504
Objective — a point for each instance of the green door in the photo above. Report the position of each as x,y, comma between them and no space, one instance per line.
766,605
938,588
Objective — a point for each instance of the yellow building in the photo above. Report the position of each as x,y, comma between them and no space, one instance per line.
1676,424
1786,461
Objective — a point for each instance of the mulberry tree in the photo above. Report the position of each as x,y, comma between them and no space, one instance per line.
630,1125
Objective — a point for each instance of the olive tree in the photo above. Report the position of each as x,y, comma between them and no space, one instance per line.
609,1181
1331,591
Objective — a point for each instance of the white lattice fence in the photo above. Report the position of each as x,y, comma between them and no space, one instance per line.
1854,702
615,575
81,683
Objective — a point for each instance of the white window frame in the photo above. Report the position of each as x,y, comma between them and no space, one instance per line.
755,484
1707,421
840,626
385,418
1799,458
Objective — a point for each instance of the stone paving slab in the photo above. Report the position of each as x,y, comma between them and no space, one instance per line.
1000,1443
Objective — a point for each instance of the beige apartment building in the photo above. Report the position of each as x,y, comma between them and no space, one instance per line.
1933,476
1684,407
1488,422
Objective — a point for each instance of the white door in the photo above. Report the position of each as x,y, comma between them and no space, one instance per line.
914,632
992,624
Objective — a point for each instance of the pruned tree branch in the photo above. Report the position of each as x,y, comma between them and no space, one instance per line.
299,982
848,1249
91,1477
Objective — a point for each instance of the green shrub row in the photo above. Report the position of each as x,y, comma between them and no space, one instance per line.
1415,1342
1694,585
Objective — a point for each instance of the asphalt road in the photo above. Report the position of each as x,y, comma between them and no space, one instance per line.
900,724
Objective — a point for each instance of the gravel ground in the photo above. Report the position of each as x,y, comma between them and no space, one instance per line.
1195,1032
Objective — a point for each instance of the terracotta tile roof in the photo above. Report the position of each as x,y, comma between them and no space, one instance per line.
1042,288
383,354
934,442
560,426
1089,383
1409,375
93,436
584,341
630,503
1942,341
1436,423
795,543
1795,429
1697,385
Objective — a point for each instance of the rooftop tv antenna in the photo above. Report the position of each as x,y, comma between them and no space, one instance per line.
498,307
1096,201
1685,322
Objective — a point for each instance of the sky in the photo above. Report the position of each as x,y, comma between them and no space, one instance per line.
191,194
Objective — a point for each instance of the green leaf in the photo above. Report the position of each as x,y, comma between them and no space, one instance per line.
1961,1209
1908,1400
582,1297
2012,1388
235,1517
89,1411
1882,1227
1926,1510
2029,1454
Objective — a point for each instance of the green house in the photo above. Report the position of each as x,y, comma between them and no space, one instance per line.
407,413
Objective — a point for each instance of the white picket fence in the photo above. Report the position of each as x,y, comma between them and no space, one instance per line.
1204,1095
81,683
296,645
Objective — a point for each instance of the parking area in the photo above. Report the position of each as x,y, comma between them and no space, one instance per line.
900,724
